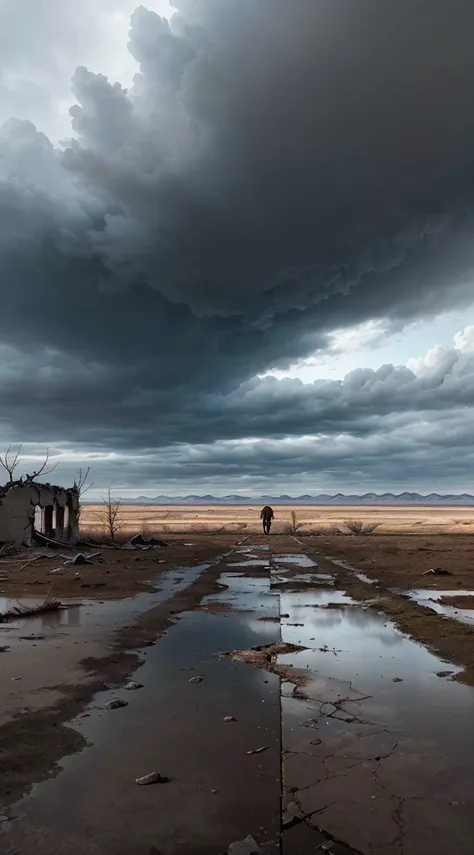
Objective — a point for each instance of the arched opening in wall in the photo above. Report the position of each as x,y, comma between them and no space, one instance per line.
39,519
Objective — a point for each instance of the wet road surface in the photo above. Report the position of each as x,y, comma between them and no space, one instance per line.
366,749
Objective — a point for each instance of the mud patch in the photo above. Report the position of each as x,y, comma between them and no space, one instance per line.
266,657
458,601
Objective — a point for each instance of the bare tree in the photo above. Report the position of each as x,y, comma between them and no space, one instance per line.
109,516
11,460
80,480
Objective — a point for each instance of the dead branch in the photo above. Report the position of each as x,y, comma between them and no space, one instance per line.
42,470
80,480
10,463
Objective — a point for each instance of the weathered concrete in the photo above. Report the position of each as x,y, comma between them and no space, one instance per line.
19,502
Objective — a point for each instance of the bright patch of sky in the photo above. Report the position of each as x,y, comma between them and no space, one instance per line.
372,344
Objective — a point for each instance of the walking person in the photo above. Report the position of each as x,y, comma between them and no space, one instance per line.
266,515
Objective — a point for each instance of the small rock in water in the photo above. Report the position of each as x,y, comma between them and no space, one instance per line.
228,718
130,687
196,680
249,846
397,680
444,673
151,778
115,704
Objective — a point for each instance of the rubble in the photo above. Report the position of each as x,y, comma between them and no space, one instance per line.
139,541
249,846
80,558
151,778
115,704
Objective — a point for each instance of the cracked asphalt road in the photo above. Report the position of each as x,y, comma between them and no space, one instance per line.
369,751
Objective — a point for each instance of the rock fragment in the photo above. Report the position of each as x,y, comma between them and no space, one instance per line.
151,778
249,846
115,704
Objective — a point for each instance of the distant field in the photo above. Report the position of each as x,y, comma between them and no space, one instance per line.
309,519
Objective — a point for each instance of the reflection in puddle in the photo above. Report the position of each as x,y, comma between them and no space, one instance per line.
94,613
357,658
252,562
429,599
363,578
299,559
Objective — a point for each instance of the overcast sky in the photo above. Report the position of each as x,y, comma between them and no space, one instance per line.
236,243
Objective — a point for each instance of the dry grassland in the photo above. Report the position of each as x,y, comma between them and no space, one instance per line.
310,519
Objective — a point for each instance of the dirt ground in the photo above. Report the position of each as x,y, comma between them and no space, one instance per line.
401,561
120,573
163,519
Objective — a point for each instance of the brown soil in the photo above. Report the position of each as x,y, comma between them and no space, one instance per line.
121,574
401,561
459,602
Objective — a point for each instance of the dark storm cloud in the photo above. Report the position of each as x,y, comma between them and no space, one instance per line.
277,170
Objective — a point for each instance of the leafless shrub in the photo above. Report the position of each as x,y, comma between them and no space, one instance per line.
109,515
357,527
294,525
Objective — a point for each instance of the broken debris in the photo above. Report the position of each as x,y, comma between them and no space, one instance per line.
258,750
80,558
249,846
151,778
196,680
228,718
138,541
115,704
437,571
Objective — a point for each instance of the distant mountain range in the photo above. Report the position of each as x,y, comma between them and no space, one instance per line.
321,499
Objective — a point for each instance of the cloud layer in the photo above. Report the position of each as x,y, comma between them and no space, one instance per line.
277,170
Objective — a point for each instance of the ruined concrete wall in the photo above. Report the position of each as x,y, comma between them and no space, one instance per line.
17,512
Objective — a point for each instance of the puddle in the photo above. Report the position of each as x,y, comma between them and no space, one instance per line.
363,578
179,727
428,598
302,578
84,613
363,651
252,562
246,594
299,559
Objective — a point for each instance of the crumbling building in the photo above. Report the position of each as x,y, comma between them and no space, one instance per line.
27,508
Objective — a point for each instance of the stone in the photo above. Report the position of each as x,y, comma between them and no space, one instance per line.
397,680
249,846
151,778
115,704
196,680
229,718
132,686
444,673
